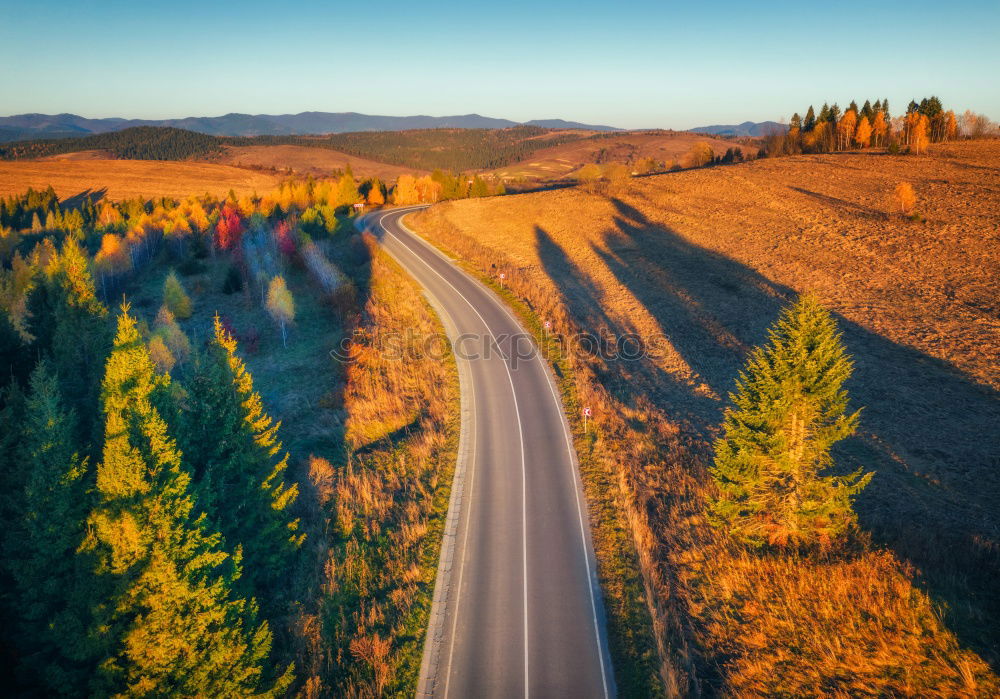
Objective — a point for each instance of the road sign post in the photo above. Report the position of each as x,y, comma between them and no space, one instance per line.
586,418
502,277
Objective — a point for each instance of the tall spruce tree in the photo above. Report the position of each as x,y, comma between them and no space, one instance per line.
170,623
69,326
788,410
810,122
53,582
233,448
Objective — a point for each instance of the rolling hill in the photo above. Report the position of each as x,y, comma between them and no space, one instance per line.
748,129
28,126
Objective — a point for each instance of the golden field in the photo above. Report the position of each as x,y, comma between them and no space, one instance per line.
705,259
123,179
310,160
563,159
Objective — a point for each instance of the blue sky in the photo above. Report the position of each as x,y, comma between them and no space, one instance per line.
637,64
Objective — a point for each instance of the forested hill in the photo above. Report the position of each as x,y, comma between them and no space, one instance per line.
427,149
139,143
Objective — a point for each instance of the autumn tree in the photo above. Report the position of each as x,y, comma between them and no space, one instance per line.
788,410
169,622
863,134
166,328
232,447
281,306
405,191
919,137
846,128
175,298
904,198
879,129
376,195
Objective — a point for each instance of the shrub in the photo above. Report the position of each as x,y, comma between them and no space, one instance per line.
904,199
233,282
175,298
790,408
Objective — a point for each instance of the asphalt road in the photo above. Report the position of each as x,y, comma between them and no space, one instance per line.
517,607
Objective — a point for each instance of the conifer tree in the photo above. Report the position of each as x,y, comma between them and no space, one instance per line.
53,581
810,121
170,623
69,325
233,449
788,410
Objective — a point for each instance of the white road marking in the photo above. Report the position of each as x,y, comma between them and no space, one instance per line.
591,575
520,432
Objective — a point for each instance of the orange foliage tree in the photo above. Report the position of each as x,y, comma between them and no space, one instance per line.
863,134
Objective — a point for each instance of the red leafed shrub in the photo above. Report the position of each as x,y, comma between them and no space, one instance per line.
286,241
229,228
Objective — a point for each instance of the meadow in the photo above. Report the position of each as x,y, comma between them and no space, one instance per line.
704,259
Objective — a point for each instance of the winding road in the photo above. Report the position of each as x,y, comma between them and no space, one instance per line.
517,606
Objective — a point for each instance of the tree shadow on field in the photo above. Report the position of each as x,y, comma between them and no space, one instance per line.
843,206
78,200
929,432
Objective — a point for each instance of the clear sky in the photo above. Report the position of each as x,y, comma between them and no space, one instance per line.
630,64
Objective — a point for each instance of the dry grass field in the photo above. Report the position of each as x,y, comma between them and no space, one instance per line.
122,179
704,259
310,161
561,160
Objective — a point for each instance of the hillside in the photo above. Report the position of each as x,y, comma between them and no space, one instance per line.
703,260
121,179
308,160
748,129
28,126
562,159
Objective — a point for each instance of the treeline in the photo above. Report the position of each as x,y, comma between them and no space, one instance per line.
448,149
137,143
870,126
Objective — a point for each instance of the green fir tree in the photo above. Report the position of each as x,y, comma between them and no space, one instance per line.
789,409
170,623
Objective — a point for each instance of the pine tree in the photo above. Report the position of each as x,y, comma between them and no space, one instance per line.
810,122
789,409
170,623
233,449
53,581
69,326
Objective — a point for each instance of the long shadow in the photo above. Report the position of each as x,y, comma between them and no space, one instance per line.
77,200
929,432
845,206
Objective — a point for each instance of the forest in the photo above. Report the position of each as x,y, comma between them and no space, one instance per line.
164,529
870,126
136,143
426,149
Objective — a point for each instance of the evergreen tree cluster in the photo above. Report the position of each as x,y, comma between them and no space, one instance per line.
147,521
136,143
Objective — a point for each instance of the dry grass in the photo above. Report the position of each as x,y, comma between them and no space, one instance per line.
389,499
705,259
562,160
310,160
123,179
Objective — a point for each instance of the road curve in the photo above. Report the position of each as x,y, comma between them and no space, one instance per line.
517,607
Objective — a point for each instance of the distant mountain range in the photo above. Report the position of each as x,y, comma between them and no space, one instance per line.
28,126
748,129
